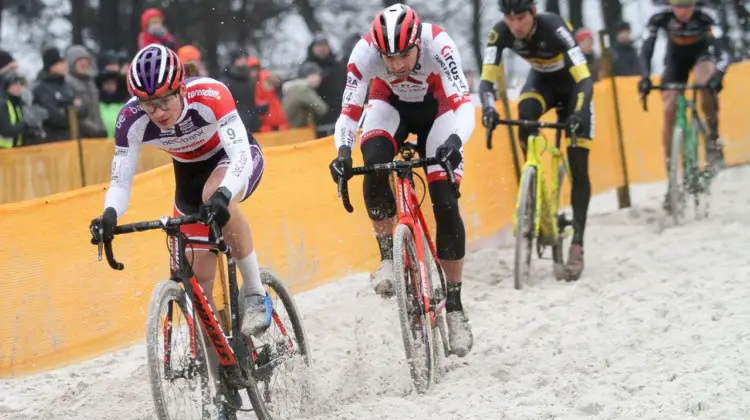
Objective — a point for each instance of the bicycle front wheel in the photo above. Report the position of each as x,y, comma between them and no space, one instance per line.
525,227
280,358
676,190
416,326
180,382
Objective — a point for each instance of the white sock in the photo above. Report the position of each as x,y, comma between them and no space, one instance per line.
250,271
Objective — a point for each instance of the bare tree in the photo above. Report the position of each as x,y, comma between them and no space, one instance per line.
307,11
476,31
575,9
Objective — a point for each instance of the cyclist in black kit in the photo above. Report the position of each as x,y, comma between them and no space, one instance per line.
559,76
694,42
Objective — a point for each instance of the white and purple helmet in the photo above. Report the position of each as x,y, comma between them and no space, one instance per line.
154,71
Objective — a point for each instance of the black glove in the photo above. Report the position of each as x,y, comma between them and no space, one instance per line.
449,153
103,227
715,83
644,86
575,122
341,167
216,208
489,117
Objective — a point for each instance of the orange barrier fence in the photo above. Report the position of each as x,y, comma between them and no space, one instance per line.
62,305
37,171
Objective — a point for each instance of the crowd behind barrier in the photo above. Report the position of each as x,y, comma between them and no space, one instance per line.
62,305
37,171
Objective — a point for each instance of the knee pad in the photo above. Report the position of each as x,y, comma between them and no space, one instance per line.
377,190
451,236
528,109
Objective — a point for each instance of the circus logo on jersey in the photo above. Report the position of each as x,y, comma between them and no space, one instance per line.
448,63
211,93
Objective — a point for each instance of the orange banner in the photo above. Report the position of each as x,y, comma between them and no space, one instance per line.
62,305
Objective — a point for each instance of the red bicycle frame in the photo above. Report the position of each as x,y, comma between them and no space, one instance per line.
410,214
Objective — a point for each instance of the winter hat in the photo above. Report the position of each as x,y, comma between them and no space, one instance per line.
50,57
584,33
188,53
75,53
307,68
5,58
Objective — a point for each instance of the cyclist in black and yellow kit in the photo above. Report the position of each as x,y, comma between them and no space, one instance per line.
559,76
695,43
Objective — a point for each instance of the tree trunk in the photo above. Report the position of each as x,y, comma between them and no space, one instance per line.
109,25
612,13
2,7
78,20
476,31
553,6
576,13
131,41
212,14
307,11
244,31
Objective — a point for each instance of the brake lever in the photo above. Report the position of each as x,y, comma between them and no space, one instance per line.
100,249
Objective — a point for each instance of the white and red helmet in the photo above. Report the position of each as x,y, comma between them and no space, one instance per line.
396,30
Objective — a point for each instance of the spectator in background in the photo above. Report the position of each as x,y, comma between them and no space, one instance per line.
266,94
54,94
300,98
14,128
190,55
7,62
331,88
80,77
110,100
153,30
110,63
242,87
585,39
625,60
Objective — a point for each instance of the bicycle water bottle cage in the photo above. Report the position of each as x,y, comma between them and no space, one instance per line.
407,151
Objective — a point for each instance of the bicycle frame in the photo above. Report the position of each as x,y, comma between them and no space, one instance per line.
691,127
410,214
229,352
546,208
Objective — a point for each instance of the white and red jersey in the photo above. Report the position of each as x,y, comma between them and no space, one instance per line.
209,123
438,73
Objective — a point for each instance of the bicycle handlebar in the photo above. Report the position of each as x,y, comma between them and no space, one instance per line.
162,223
394,166
534,124
673,86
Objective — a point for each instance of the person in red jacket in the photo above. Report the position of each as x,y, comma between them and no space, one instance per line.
266,94
153,30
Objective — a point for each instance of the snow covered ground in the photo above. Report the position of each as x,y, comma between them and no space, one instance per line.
658,328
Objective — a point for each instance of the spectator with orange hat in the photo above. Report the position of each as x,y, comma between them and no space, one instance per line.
585,39
189,55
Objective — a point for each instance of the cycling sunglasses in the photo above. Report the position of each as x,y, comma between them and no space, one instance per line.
161,102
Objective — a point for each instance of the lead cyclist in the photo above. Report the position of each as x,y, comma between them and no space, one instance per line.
217,164
417,85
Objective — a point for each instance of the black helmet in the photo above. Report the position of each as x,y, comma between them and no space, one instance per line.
514,7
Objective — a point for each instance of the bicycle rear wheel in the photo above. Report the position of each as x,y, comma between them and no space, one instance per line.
280,358
416,327
525,232
676,190
171,361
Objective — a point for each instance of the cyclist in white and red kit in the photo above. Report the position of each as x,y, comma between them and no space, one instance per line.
416,85
217,164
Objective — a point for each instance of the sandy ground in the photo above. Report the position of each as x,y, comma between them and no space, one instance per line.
658,328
